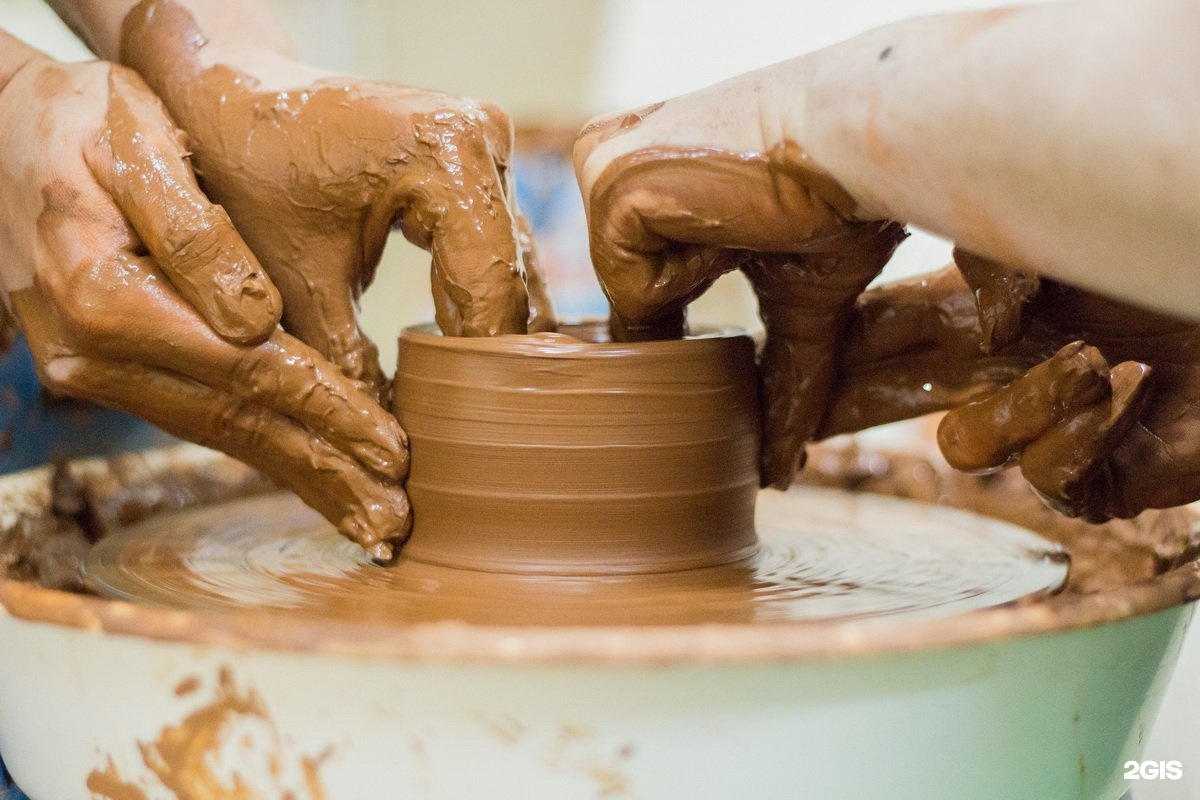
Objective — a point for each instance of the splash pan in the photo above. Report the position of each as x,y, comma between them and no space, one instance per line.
823,554
1044,696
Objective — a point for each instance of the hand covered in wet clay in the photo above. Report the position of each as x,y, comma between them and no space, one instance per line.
136,292
681,192
1097,401
315,170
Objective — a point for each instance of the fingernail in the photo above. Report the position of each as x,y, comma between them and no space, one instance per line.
386,462
381,551
250,313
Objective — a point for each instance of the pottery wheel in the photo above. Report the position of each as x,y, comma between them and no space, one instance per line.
823,554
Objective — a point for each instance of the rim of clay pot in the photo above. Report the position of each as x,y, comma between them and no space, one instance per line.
567,344
27,492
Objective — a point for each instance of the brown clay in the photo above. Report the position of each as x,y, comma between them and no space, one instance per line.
665,225
569,480
1120,569
1099,452
134,291
186,758
822,556
565,453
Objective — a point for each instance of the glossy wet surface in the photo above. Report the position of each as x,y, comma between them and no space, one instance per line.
823,554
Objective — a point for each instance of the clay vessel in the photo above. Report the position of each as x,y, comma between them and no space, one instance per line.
568,454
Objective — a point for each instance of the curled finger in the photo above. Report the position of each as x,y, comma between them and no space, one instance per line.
1067,465
805,303
987,433
144,167
456,207
374,514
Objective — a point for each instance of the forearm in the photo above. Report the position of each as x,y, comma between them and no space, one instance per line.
1058,138
225,24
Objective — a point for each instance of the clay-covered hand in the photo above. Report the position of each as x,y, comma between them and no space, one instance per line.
316,169
681,192
136,292
1096,400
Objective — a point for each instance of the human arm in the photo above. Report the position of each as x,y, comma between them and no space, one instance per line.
1006,131
1055,137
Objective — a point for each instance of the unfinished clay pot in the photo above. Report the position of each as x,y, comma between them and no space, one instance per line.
565,453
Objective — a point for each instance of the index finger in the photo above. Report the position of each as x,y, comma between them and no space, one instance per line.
191,239
458,208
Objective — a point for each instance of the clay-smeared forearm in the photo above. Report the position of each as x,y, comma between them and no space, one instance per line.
1058,138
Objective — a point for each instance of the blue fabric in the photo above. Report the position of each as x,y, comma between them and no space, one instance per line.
35,428
7,790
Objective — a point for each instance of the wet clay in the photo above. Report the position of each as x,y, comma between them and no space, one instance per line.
664,224
84,501
824,556
193,240
1118,569
564,453
192,760
316,175
1108,425
1103,556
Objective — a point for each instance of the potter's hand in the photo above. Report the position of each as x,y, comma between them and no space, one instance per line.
680,192
136,292
1096,400
315,170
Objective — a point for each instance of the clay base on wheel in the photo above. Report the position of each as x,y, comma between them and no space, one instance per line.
823,554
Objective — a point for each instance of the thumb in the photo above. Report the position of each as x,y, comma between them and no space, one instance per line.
192,240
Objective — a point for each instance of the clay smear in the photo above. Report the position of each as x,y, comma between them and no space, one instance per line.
228,749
